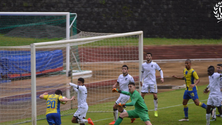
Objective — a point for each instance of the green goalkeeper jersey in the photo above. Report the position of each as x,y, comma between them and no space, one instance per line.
136,100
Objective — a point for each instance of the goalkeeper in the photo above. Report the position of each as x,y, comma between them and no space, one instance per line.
140,110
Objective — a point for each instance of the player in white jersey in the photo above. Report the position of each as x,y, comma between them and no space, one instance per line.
123,80
219,68
214,96
80,115
149,79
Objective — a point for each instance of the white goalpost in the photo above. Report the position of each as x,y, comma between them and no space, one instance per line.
94,44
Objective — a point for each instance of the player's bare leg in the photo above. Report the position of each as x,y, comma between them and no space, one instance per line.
74,120
198,103
185,101
219,110
155,104
143,95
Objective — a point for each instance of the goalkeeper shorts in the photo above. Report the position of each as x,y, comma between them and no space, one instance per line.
143,115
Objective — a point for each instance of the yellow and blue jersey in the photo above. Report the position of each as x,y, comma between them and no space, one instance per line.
190,76
53,103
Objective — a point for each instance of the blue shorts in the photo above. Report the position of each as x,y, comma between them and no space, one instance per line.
190,95
53,118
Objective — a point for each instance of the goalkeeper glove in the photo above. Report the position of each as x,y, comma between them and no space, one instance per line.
121,104
114,90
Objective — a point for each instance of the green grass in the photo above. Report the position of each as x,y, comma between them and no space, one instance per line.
16,41
170,111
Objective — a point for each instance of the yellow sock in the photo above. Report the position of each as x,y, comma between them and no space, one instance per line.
200,104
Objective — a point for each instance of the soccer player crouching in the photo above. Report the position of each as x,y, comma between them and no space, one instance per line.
214,96
140,110
53,106
80,114
123,80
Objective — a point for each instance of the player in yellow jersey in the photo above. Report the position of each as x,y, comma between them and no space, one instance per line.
191,88
53,106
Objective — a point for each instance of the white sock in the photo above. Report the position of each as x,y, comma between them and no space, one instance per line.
82,121
155,104
214,113
208,118
124,110
115,114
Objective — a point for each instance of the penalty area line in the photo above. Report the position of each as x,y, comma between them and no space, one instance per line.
152,110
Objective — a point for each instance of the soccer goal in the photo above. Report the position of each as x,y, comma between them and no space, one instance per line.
104,56
96,57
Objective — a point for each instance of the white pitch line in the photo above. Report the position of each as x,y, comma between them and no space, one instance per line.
176,105
151,110
102,119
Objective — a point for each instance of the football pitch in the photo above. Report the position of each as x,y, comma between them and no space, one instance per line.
170,111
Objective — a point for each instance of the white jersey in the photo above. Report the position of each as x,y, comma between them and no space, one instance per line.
149,72
124,81
82,94
221,88
221,83
214,84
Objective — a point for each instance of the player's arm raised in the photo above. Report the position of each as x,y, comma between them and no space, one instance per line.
132,103
119,91
66,99
73,85
81,88
42,95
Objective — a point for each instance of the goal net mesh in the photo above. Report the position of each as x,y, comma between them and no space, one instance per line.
98,61
36,28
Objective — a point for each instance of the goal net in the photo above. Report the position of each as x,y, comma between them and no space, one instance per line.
37,26
46,68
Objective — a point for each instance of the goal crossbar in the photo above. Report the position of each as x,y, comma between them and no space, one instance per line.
67,42
89,39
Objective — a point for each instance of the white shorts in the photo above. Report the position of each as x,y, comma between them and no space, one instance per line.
81,112
146,87
214,100
122,99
